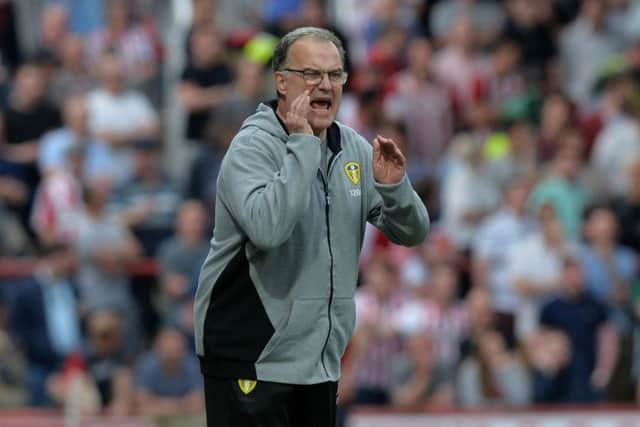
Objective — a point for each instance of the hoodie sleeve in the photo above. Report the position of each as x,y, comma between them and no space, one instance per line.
264,197
397,210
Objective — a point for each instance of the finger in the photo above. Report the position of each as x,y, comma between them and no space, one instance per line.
391,151
376,149
300,105
388,146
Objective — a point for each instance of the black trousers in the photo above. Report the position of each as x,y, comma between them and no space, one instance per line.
268,404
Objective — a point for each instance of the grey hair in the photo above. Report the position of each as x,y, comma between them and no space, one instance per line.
282,49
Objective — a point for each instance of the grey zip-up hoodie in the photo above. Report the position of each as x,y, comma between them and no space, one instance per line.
275,296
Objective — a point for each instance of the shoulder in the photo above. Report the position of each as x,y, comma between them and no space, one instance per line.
349,135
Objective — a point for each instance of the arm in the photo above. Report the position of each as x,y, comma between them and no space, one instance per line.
607,356
152,405
395,207
25,152
148,130
268,200
411,393
196,98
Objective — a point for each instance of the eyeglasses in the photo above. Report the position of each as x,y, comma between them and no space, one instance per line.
314,77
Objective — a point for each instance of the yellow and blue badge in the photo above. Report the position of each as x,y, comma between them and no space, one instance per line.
247,386
352,169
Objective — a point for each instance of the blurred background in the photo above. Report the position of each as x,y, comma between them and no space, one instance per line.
520,121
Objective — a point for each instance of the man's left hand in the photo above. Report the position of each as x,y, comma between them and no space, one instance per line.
388,161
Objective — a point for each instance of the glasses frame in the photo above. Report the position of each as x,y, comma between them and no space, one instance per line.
304,73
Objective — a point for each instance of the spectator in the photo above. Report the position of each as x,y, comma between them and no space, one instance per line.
205,82
203,174
58,200
133,43
424,107
533,33
534,268
148,202
108,361
387,48
548,353
46,332
487,17
53,27
73,76
557,113
561,188
367,376
618,141
27,117
119,116
440,315
459,67
181,256
469,195
98,158
505,85
594,344
247,91
627,207
584,46
74,389
513,154
417,383
495,240
493,376
168,382
203,13
367,114
609,269
106,249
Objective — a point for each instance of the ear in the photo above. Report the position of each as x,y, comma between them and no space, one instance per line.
281,83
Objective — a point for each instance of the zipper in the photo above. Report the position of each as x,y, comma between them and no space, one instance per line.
327,198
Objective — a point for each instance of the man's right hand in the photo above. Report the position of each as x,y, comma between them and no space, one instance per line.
296,119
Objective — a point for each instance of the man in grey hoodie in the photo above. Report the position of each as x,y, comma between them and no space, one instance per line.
274,308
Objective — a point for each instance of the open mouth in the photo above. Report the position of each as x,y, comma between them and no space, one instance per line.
321,104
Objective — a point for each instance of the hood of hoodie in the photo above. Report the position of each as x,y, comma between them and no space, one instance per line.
266,119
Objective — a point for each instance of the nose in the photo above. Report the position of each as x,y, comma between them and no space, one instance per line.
325,83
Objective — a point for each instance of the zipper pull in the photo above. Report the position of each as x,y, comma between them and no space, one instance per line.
328,197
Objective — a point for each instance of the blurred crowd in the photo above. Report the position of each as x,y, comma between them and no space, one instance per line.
520,121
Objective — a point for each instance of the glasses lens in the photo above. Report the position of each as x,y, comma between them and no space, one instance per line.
312,76
339,77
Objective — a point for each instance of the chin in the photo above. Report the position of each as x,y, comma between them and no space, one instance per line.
321,123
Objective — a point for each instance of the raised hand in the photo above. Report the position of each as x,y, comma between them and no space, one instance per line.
388,161
296,118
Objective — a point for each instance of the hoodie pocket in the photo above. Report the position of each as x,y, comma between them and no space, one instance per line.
344,318
302,337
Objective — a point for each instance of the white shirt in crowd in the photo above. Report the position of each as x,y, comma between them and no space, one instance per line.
495,239
541,265
121,113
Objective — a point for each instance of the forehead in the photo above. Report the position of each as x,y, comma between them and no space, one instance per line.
313,53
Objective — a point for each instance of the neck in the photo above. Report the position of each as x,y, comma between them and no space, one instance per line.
604,248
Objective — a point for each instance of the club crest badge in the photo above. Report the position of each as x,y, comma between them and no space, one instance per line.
247,386
352,169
